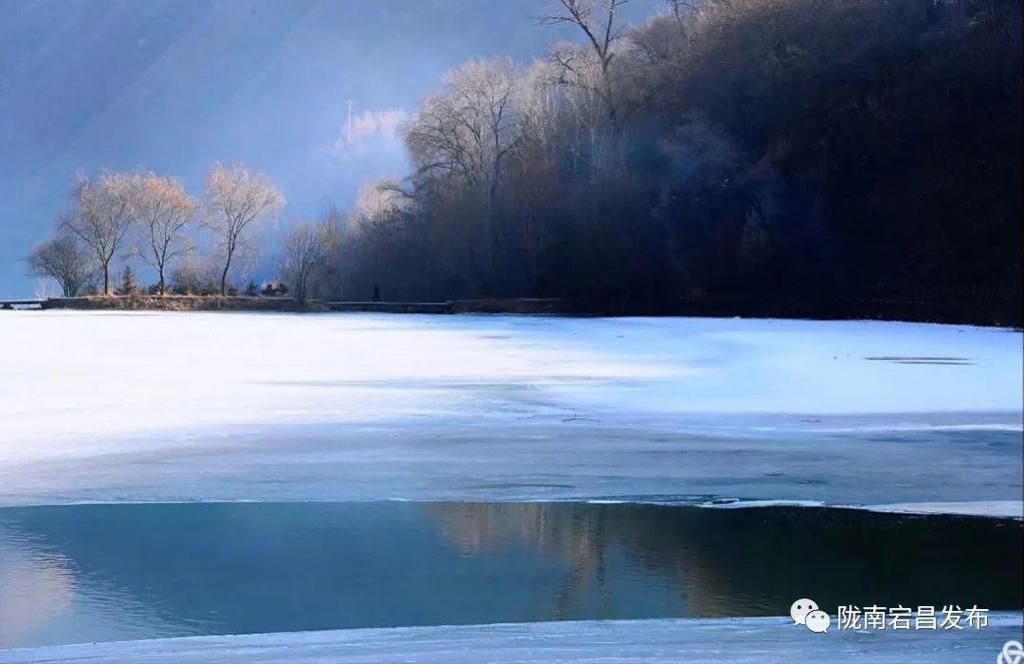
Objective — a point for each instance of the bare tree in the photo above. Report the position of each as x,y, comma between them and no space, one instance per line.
379,201
65,260
596,19
305,250
162,212
467,131
101,217
469,127
235,199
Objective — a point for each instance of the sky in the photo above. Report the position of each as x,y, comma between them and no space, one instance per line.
173,86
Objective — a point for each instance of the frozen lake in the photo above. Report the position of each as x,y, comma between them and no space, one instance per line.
76,382
84,573
104,406
615,418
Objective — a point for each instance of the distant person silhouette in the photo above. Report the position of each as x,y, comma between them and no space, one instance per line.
376,293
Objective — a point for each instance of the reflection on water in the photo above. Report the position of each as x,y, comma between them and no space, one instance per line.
35,589
104,572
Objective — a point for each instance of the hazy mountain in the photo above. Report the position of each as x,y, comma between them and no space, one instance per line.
173,85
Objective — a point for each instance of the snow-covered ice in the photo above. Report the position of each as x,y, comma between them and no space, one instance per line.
996,508
105,406
166,406
736,641
75,376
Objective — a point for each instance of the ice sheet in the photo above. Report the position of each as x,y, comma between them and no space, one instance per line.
108,406
736,641
84,376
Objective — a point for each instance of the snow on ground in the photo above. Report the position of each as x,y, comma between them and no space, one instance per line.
81,376
108,406
737,641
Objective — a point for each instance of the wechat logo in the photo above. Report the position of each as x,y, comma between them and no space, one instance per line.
1012,653
806,612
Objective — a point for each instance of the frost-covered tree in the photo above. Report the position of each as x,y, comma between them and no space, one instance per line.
236,199
101,216
470,126
467,133
306,247
596,19
162,211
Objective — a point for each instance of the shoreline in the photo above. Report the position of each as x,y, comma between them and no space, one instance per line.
793,309
1009,511
653,641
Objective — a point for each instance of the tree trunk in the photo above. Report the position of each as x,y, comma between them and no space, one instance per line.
161,263
609,98
224,276
491,243
106,278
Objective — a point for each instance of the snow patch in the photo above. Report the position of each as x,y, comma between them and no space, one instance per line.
82,383
742,504
1010,509
703,641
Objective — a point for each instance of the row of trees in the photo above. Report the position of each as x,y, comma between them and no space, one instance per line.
765,150
742,150
119,216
